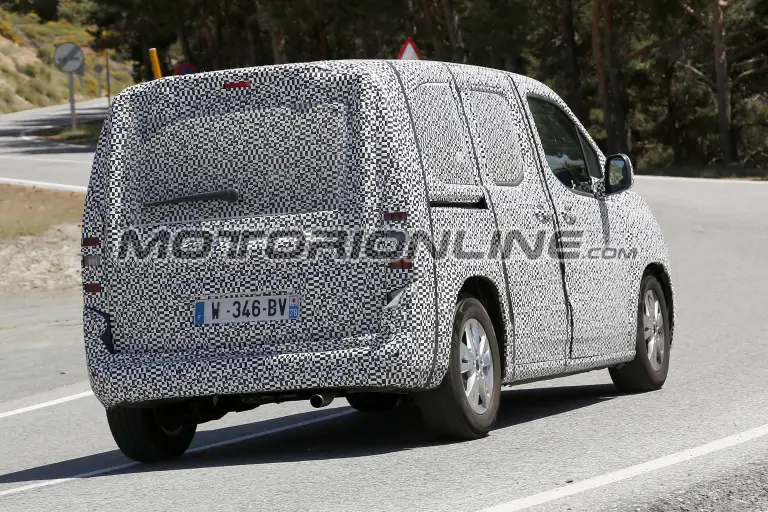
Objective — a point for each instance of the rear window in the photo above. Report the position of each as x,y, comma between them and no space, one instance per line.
289,159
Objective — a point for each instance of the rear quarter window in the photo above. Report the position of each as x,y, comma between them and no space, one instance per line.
498,140
442,136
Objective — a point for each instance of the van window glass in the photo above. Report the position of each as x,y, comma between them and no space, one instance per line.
498,140
442,136
593,162
561,144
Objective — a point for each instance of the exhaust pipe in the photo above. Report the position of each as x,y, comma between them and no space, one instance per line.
321,399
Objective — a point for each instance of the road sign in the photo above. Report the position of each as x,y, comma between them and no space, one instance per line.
409,51
68,57
98,68
185,68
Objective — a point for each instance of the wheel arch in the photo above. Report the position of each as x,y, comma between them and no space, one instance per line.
486,291
660,272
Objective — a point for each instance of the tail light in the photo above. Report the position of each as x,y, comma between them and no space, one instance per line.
92,287
401,264
395,216
236,85
91,260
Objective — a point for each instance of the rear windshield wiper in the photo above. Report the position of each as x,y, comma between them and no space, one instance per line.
229,195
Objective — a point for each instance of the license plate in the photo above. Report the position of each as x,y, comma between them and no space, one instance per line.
258,308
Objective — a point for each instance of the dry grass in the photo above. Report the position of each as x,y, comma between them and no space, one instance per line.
28,75
32,211
85,133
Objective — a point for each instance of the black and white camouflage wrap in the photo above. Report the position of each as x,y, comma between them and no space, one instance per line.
331,146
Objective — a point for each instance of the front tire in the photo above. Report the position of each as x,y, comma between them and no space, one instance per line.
466,403
150,434
648,371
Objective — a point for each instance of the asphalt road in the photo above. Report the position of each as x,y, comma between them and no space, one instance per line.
52,165
572,443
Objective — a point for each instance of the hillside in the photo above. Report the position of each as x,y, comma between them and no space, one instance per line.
28,76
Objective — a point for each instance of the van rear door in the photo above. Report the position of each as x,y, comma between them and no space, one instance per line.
291,142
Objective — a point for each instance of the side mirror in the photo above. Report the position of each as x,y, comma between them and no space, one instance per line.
618,174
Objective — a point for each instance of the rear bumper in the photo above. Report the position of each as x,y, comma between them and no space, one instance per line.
124,378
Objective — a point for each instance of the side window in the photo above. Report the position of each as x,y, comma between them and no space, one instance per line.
497,137
442,136
561,143
593,163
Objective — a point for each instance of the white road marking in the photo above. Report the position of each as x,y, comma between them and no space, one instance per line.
43,184
649,177
631,471
49,160
112,469
45,404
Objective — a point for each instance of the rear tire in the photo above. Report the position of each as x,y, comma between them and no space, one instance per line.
373,402
150,434
647,373
450,409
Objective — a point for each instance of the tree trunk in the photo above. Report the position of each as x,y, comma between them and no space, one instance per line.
221,57
410,19
575,98
451,24
673,124
437,40
181,33
724,112
268,21
615,89
322,41
602,86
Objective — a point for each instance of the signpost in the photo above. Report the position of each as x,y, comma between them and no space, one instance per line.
70,59
109,91
185,68
409,51
98,68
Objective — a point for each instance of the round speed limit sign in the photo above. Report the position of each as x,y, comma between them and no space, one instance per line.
68,57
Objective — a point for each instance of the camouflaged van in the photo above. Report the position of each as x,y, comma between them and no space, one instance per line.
381,231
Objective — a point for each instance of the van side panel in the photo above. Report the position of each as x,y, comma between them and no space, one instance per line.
462,232
515,186
625,218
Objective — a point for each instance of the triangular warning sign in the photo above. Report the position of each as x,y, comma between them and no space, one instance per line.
409,51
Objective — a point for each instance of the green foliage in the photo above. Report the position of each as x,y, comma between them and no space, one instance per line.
660,62
28,75
659,86
75,11
6,28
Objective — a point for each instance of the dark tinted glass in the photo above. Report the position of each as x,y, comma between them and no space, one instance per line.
561,143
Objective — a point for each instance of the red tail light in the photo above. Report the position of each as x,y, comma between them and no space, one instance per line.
92,287
401,264
235,85
395,216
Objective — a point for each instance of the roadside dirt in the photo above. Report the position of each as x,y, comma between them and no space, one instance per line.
45,262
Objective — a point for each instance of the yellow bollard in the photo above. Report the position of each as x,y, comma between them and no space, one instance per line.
155,63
